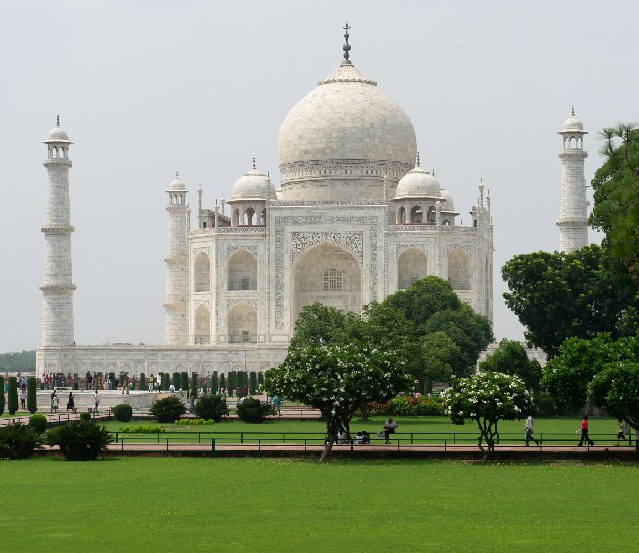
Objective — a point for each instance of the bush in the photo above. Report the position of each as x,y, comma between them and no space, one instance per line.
1,395
80,441
12,395
168,409
214,384
142,429
142,385
184,381
85,417
123,412
211,407
408,407
253,383
253,410
194,422
32,395
18,441
166,381
38,423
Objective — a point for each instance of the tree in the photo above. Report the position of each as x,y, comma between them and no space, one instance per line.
557,296
32,395
439,355
616,195
167,409
337,379
486,398
12,395
511,358
2,395
212,407
616,390
567,376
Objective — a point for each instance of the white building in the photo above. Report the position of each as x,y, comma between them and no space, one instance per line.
355,218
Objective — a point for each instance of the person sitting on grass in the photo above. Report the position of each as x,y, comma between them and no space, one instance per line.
366,437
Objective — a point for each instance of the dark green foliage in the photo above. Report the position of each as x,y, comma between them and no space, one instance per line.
193,385
177,380
211,407
511,358
214,384
232,379
184,381
112,379
18,441
253,410
168,409
142,381
260,378
23,361
616,389
80,441
223,381
123,412
12,395
166,381
1,395
32,395
408,407
84,416
253,383
38,423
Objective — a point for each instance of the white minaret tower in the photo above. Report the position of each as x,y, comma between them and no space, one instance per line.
573,216
57,286
176,322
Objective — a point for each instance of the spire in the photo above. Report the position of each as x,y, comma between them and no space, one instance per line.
433,172
417,159
57,122
253,163
177,176
573,111
347,46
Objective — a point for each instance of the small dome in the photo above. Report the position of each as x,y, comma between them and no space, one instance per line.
417,183
177,185
253,185
573,123
448,205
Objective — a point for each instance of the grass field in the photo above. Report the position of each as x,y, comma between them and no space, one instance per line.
248,505
602,429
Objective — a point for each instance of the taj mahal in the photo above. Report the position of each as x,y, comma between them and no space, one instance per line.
353,219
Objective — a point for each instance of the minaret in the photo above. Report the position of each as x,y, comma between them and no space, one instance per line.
573,216
176,322
57,286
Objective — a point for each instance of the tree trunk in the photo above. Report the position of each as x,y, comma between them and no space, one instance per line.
331,435
364,411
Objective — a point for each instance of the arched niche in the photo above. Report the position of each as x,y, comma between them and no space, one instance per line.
412,265
459,270
242,324
202,334
327,274
202,273
416,214
242,271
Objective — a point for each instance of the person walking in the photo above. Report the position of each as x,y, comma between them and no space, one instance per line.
96,402
529,428
23,400
584,432
71,402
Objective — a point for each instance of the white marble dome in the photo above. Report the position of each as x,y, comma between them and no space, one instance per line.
447,205
58,134
417,183
347,117
253,185
177,185
573,123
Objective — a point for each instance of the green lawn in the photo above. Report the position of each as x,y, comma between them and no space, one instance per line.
559,430
247,505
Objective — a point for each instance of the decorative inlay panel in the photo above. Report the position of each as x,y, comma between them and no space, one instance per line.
232,249
350,241
232,302
401,248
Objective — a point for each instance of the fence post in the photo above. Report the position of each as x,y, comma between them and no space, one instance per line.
241,437
212,448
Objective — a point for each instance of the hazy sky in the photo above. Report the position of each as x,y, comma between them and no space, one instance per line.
145,88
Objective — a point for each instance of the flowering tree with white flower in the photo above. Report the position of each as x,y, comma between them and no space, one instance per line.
337,379
487,398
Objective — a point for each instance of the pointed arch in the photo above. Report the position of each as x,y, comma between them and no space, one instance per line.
202,334
401,215
202,273
459,270
412,265
416,214
242,324
242,271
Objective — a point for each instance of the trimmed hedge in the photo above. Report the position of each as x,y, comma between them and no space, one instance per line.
32,397
142,381
38,423
80,441
214,384
123,412
252,410
253,383
184,381
12,395
142,429
166,381
168,409
193,385
408,407
223,381
194,422
18,441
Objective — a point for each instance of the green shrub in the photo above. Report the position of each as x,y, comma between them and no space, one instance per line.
1,395
80,441
253,383
214,384
12,395
408,407
194,422
32,395
211,407
232,379
142,381
38,423
253,410
123,412
260,379
85,417
166,381
18,441
184,381
142,429
168,409
193,385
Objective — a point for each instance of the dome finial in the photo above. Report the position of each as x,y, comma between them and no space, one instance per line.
57,121
417,159
176,175
253,163
346,46
573,111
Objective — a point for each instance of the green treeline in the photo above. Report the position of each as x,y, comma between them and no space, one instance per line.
18,361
